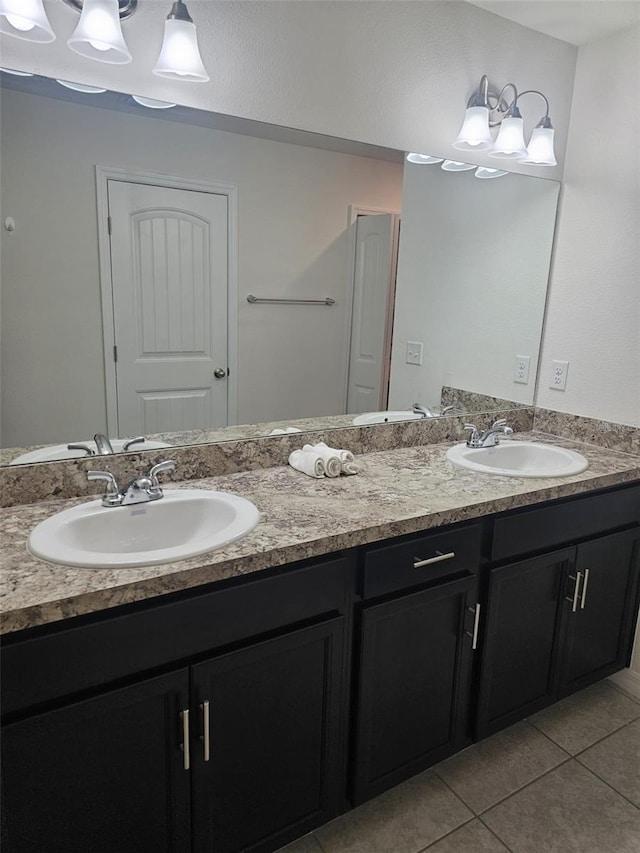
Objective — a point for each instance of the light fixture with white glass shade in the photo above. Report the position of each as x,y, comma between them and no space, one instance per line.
152,103
456,166
486,173
85,88
99,33
179,57
486,109
423,159
26,20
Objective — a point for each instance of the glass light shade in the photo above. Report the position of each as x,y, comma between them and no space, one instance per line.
81,87
486,173
152,103
16,73
423,159
99,34
540,149
510,140
456,166
474,134
25,19
179,57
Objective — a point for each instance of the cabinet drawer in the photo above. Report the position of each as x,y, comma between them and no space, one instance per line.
421,559
565,523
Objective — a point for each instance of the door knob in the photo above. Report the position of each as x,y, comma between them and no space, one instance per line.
219,373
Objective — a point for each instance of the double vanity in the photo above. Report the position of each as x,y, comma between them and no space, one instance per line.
366,628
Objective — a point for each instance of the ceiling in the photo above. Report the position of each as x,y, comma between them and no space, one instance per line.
575,21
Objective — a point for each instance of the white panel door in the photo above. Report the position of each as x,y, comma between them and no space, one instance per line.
372,280
169,278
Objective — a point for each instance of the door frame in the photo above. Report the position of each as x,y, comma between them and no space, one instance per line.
354,211
133,176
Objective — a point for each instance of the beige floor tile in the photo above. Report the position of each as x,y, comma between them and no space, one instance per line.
580,720
473,837
308,844
616,759
567,811
496,767
404,820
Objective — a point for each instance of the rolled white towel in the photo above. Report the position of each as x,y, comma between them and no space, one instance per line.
308,463
332,464
348,464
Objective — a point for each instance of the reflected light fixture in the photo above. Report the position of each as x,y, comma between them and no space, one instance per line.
423,159
456,166
16,73
152,103
81,87
486,109
485,172
26,20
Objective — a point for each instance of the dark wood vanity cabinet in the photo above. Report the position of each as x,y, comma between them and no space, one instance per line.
415,653
557,622
237,717
240,750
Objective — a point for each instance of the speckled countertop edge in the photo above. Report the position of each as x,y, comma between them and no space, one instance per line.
396,492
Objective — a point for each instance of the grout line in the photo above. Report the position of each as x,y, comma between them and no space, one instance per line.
624,692
317,840
526,785
548,737
495,835
455,793
608,784
446,835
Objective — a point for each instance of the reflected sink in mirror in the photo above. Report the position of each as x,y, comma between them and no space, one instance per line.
518,459
385,418
184,523
61,451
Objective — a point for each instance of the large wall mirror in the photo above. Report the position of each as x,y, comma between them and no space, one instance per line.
374,283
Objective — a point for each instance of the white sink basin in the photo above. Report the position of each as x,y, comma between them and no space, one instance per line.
519,459
385,418
60,451
183,523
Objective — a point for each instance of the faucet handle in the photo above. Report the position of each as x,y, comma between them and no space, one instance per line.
137,440
112,496
502,425
474,434
167,465
88,451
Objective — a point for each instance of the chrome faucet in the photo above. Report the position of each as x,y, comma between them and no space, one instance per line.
139,490
103,444
425,411
490,437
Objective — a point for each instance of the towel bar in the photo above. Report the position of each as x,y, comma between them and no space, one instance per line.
326,301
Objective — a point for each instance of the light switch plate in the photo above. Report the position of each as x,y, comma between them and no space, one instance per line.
414,352
558,378
521,371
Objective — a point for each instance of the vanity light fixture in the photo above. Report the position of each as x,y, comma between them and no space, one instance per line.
26,20
486,109
81,87
152,103
98,34
423,159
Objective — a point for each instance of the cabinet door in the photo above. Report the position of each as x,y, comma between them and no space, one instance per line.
599,628
518,671
415,659
103,775
270,770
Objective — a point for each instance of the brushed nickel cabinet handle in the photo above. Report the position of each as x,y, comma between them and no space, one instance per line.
184,746
476,625
576,591
418,563
583,600
205,730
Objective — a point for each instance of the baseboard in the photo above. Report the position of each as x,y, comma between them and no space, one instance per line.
629,681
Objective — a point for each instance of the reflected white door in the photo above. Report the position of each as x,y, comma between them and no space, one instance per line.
169,278
371,318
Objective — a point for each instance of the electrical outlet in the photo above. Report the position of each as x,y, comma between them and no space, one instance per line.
558,378
414,352
521,372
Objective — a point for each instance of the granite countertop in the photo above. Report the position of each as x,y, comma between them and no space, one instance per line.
396,492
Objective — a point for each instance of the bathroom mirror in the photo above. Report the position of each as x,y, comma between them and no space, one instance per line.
299,202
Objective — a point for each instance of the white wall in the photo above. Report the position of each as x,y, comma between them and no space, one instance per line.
393,73
593,319
472,279
293,216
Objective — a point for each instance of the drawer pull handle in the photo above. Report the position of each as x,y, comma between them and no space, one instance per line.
184,746
205,730
576,591
476,625
583,600
418,563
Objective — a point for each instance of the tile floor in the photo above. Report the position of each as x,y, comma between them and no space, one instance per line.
565,780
